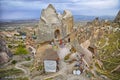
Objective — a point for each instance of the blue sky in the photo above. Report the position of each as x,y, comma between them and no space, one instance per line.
31,9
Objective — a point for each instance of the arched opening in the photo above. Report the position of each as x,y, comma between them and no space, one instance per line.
68,39
57,34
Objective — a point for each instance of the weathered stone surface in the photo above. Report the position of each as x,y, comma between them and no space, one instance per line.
5,53
68,20
3,57
49,15
117,19
82,50
53,25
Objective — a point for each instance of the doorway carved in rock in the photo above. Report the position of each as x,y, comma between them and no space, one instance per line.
57,34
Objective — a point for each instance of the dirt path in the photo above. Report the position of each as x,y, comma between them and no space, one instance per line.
25,70
19,66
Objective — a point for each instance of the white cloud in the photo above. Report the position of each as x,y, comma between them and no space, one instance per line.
23,4
101,4
82,7
94,7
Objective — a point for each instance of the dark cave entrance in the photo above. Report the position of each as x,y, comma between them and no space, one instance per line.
57,34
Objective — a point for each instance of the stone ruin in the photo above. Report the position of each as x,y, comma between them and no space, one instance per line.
54,26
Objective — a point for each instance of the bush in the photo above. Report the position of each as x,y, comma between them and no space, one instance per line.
21,50
28,59
9,46
14,62
40,67
16,34
21,45
67,57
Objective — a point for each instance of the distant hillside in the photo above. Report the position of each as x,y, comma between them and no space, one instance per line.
89,18
19,21
76,18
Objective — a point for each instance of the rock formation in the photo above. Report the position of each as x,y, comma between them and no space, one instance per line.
96,22
68,20
117,19
53,25
5,53
49,15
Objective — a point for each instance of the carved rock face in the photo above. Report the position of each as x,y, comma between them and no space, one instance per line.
50,21
68,20
3,57
117,19
49,15
5,53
